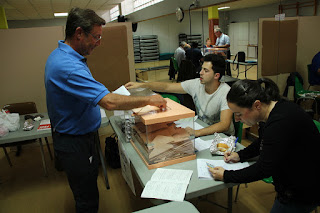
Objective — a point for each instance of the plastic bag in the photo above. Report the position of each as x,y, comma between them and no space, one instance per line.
10,121
3,131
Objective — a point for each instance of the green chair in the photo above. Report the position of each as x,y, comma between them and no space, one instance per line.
175,64
172,97
317,123
238,130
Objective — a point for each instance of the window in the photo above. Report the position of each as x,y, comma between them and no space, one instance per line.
114,13
140,4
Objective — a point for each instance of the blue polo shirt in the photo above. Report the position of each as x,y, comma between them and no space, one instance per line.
72,92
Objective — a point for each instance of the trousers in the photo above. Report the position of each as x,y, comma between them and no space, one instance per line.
291,207
78,157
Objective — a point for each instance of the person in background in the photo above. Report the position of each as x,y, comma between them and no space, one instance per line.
74,98
206,46
287,147
195,56
180,52
223,41
208,94
315,70
208,43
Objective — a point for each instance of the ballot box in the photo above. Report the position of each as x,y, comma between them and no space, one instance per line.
158,137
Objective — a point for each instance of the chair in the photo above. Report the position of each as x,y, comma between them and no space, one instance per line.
172,97
23,109
186,71
317,123
306,99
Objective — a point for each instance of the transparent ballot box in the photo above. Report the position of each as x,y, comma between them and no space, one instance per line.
159,136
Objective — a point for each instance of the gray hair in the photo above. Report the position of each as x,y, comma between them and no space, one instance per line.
218,30
183,43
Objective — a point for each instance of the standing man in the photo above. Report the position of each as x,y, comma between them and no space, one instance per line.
223,41
208,94
73,96
180,53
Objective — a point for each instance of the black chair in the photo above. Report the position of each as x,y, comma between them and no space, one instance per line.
24,108
187,71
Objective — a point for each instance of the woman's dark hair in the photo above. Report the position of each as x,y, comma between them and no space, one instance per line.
245,92
84,18
218,63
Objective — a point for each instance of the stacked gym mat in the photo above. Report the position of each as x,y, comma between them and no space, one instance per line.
149,48
136,48
191,38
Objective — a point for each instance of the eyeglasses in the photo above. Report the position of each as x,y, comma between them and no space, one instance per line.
96,38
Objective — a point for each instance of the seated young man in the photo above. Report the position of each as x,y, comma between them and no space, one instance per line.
208,94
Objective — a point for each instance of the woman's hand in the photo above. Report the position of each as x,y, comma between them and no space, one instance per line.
217,173
133,85
231,157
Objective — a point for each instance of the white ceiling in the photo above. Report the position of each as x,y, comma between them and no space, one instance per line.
44,9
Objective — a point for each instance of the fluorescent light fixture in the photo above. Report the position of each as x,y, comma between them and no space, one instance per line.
222,8
60,14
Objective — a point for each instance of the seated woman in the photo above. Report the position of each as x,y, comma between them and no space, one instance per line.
287,147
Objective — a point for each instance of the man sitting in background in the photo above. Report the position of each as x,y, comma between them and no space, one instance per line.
195,56
208,94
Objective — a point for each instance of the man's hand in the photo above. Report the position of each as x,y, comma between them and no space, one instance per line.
217,173
231,157
133,85
157,100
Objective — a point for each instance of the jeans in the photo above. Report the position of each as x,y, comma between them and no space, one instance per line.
291,207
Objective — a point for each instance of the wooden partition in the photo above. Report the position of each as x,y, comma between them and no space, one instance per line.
23,56
307,46
112,63
24,53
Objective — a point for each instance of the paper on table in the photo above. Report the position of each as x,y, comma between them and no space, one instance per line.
167,184
202,144
203,171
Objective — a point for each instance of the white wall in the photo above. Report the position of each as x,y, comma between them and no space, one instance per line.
168,28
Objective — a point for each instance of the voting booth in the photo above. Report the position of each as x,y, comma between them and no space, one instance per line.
158,138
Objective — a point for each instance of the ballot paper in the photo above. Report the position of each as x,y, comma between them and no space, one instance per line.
168,184
120,91
203,169
188,122
201,144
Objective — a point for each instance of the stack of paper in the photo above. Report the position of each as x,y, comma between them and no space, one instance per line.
44,125
203,171
167,184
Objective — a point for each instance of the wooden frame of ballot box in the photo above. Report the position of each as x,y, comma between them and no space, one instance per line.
174,112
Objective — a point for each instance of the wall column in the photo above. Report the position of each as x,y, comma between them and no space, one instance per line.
213,20
3,19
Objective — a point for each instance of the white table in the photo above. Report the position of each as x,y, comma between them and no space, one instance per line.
196,187
21,135
250,63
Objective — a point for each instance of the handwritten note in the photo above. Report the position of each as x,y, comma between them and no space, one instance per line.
203,171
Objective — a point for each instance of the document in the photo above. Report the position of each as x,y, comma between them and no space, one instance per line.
203,169
168,184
